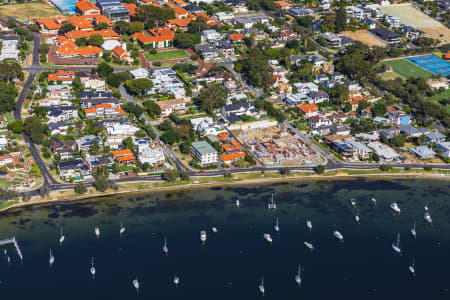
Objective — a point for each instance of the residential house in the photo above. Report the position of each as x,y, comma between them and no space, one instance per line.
318,121
318,97
422,152
103,110
351,149
211,36
76,169
224,16
140,73
66,149
61,113
436,84
92,81
61,75
306,87
237,5
94,102
166,80
411,32
171,106
387,35
287,34
299,12
226,48
435,137
9,49
122,54
85,142
155,38
124,157
231,86
444,147
94,94
207,52
409,130
235,37
384,152
204,153
398,118
232,112
308,110
296,99
84,7
150,152
3,142
249,21
370,22
394,22
354,12
58,128
214,77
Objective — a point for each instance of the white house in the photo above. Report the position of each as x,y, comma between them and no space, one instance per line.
204,152
139,73
171,106
211,36
3,142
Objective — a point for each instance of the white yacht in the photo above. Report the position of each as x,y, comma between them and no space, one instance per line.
426,207
412,269
214,230
9,260
396,245
238,203
203,236
261,286
136,284
92,268
427,217
61,237
272,205
413,231
374,201
353,202
165,249
5,252
338,235
394,206
309,225
298,279
277,227
51,260
309,246
97,232
122,229
176,280
357,216
267,237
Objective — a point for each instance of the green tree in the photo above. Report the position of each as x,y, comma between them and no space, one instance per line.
81,42
128,143
183,40
257,69
340,20
35,129
138,86
135,27
212,97
398,140
153,109
103,69
80,188
170,175
66,27
153,16
8,94
379,110
16,126
320,169
185,176
122,27
95,40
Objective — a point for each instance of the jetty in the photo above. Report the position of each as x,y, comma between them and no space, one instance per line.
16,245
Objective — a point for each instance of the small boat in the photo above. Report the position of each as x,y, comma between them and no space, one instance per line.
203,236
309,246
413,230
238,203
338,235
92,268
427,217
261,286
136,284
267,237
277,227
426,207
214,230
271,204
61,237
5,252
396,245
309,225
412,269
298,279
394,206
353,202
165,249
9,260
357,216
374,201
122,229
97,232
51,260
176,280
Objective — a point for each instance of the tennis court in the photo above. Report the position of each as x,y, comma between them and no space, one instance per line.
432,64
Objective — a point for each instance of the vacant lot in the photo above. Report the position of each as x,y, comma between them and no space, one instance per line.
171,54
364,37
31,10
407,69
436,98
415,18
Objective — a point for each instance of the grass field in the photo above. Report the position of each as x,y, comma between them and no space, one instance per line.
29,10
437,97
171,54
390,76
407,69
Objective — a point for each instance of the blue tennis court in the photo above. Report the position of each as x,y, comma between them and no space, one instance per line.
65,6
432,64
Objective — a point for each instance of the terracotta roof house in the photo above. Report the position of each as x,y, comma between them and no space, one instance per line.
107,34
171,106
236,37
124,156
84,7
179,12
121,54
308,110
64,76
157,37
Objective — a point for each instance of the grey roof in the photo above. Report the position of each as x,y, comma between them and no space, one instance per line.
204,49
318,94
435,135
73,164
94,94
386,33
110,122
408,129
422,152
238,105
56,125
96,101
56,111
203,147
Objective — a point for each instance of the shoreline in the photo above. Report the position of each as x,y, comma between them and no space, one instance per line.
343,176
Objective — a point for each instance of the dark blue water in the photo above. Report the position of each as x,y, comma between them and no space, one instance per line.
232,262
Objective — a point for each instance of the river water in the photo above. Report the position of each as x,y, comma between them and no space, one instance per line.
232,261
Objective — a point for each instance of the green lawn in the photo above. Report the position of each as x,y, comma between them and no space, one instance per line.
407,69
171,54
437,97
390,76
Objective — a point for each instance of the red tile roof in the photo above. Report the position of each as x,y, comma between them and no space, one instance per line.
308,108
236,36
84,6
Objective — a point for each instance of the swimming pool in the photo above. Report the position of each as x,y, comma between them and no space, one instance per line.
65,6
432,64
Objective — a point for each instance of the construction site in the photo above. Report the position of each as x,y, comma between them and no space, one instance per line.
277,146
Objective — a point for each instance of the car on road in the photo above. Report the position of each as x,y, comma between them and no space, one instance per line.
201,172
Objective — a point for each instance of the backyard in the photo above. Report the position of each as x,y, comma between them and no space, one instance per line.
407,69
29,10
163,55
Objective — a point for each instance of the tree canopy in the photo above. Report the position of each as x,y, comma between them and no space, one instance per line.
138,86
35,129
